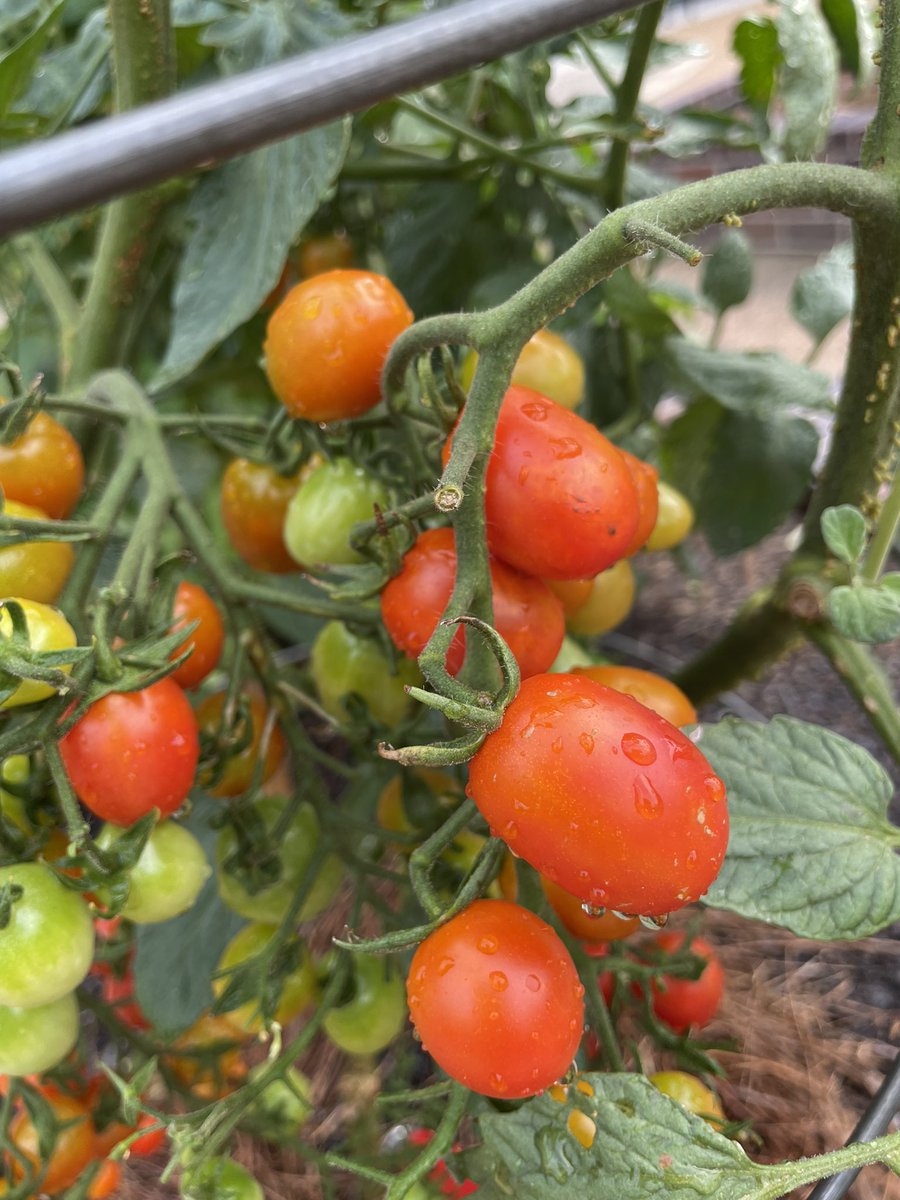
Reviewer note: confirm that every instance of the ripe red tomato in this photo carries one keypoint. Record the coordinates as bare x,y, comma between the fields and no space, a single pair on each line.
106,1182
602,796
682,1003
142,1147
43,467
327,341
560,501
194,603
653,691
496,1000
646,480
241,766
526,613
254,500
132,752
325,253
118,992
570,910
72,1150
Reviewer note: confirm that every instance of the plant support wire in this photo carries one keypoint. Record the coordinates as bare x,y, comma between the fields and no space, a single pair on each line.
208,124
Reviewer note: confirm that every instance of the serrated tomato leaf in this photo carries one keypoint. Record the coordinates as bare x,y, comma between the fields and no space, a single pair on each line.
823,295
808,78
844,531
810,846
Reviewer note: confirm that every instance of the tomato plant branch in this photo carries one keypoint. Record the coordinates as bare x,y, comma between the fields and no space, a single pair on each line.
627,94
56,290
866,681
143,51
785,1177
884,535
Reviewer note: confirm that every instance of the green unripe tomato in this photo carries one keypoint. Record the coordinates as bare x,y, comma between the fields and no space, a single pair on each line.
47,945
35,1039
674,521
284,1105
376,1012
343,663
221,1179
15,770
167,878
296,844
324,509
691,1094
298,988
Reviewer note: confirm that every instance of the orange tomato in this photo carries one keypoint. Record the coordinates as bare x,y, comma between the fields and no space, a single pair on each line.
653,691
194,603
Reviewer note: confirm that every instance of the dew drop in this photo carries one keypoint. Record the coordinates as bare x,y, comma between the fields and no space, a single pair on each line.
584,875
519,804
510,831
311,309
498,1083
599,896
445,965
677,750
535,1036
565,447
579,992
715,788
691,859
534,1073
414,999
499,982
487,944
701,816
534,411
524,472
647,800
584,702
638,749
556,745
604,467
573,1025
494,1016
586,742
551,873
532,983
592,910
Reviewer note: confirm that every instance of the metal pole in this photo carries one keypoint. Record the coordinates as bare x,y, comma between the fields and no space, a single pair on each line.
221,120
875,1120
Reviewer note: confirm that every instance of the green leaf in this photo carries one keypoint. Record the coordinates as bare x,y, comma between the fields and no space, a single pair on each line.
867,612
753,382
844,531
728,271
632,303
17,65
175,960
73,81
756,45
823,295
808,78
643,1144
810,847
245,216
850,22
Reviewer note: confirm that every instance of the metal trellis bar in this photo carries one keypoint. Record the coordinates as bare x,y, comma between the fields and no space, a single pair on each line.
221,120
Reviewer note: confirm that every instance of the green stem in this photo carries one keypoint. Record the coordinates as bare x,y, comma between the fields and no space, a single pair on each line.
56,291
866,681
785,1177
627,95
143,52
438,1147
596,1006
885,532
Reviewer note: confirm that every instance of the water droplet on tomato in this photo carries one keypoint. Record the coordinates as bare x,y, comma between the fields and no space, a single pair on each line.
593,910
446,964
565,447
691,859
499,982
677,750
647,800
524,472
715,788
599,896
535,1036
586,742
534,410
603,467
584,702
638,749
493,1016
556,745
510,831
311,308
551,873
414,999
579,992
498,1083
487,944
532,983
701,816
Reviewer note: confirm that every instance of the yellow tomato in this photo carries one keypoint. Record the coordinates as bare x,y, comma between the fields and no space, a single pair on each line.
547,364
674,521
35,570
48,629
653,691
608,604
297,988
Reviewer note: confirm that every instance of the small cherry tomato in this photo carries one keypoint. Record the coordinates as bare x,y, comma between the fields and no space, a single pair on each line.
298,988
580,923
254,500
323,510
343,664
194,603
168,875
148,1143
296,844
560,501
573,593
646,482
329,252
47,945
132,752
240,767
610,602
411,802
221,1179
682,1003
527,615
106,1182
118,992
691,1094
602,796
73,1147
496,1000
651,690
33,1040
674,521
327,341
48,629
36,570
43,467
375,1013
547,364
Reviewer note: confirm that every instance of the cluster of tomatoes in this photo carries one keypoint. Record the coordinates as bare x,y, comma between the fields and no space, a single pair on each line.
599,791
